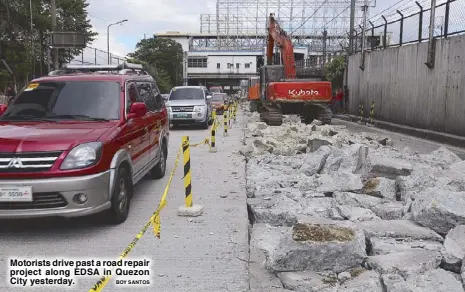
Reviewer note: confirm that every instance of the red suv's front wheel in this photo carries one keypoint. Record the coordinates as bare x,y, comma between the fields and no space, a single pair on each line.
121,197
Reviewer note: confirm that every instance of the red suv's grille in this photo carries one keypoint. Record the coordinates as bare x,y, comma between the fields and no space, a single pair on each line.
27,162
39,201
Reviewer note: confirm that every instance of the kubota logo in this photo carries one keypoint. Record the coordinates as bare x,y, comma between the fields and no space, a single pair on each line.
303,92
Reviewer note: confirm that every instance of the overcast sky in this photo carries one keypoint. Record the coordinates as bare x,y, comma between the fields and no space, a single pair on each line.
152,16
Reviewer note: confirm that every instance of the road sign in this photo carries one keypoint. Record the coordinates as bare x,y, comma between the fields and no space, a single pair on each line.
68,40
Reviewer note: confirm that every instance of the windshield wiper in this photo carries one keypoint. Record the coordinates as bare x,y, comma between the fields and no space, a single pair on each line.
25,118
78,117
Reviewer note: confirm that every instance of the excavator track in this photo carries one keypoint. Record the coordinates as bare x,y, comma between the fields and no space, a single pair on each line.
317,112
272,116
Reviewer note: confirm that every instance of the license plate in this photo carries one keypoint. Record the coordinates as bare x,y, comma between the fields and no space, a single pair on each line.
182,116
15,194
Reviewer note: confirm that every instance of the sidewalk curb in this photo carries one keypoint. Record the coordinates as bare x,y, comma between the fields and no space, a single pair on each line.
450,139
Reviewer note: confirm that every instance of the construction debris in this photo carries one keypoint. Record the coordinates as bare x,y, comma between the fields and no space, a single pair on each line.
334,211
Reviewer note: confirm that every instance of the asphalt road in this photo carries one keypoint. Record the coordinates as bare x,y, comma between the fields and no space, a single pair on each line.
400,140
206,253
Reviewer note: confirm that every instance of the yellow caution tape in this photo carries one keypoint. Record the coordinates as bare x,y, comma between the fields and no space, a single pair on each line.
154,219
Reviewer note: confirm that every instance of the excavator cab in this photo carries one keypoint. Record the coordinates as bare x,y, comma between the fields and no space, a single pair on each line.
268,74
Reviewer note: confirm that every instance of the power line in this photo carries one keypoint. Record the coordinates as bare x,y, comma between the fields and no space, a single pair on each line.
309,17
334,18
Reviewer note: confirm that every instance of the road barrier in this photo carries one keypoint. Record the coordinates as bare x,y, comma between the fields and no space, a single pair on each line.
213,133
189,209
225,121
360,108
372,113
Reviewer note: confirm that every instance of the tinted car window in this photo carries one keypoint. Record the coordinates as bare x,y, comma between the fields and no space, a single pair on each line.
217,97
157,96
186,93
146,95
67,100
215,89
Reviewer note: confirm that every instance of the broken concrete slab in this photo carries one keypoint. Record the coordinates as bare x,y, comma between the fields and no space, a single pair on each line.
405,263
318,207
383,245
261,280
439,210
388,167
315,143
454,249
356,214
398,229
312,247
389,211
441,156
338,182
334,161
366,281
306,281
380,187
436,280
394,283
313,163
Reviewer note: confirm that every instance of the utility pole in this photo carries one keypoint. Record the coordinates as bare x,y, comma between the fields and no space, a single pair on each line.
352,27
33,55
53,11
431,40
184,71
325,40
364,29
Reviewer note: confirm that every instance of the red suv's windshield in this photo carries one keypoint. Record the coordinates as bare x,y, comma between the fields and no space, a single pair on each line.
94,100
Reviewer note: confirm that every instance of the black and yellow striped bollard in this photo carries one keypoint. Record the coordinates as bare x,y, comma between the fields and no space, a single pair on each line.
372,113
235,111
213,133
230,115
360,109
225,121
188,209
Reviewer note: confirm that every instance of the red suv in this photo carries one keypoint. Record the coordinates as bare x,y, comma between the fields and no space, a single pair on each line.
75,142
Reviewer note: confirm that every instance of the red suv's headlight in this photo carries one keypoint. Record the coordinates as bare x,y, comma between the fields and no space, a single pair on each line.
83,156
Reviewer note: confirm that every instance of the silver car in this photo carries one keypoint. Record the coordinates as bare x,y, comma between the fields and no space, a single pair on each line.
190,105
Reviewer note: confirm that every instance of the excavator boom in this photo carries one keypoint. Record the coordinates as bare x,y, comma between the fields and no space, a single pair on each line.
284,42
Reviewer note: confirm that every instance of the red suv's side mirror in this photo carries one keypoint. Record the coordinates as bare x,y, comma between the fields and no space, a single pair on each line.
137,110
3,108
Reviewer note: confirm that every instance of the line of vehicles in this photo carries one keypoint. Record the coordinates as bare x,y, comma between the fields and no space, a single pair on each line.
75,143
277,90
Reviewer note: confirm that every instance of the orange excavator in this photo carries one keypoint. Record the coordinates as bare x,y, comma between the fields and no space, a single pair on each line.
280,90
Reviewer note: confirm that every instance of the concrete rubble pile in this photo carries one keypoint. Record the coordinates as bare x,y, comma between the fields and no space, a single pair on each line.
333,211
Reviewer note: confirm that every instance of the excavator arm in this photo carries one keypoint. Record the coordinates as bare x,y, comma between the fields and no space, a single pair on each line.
277,35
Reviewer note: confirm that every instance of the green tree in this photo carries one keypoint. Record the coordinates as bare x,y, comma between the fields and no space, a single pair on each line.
334,71
163,54
162,78
25,48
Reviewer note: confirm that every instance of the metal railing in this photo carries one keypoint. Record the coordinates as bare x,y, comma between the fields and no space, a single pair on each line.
414,27
94,56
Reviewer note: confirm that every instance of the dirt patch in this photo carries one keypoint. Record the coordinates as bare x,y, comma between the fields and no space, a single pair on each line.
311,232
371,185
356,272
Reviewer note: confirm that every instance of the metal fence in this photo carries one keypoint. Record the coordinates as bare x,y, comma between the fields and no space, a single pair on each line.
94,56
414,27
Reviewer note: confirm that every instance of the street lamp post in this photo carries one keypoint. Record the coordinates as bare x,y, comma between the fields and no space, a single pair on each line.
108,38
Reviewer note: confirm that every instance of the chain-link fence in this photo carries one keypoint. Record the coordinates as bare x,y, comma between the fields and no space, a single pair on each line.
412,25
